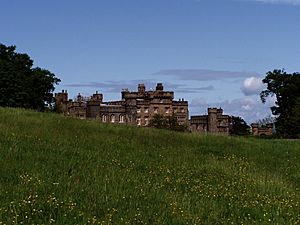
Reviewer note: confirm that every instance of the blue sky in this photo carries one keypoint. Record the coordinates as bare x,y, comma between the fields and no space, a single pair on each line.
210,52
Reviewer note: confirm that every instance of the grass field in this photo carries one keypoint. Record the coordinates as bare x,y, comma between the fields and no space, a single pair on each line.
68,171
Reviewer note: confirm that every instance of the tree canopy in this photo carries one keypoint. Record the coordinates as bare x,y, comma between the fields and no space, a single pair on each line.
239,126
168,122
21,85
286,88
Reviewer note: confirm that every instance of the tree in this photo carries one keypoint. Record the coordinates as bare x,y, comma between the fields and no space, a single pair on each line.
169,123
21,85
238,126
295,119
286,88
158,121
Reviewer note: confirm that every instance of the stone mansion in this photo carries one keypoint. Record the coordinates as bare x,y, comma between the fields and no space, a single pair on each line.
139,107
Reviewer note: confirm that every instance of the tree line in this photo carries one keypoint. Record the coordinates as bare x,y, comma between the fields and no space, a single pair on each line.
25,86
285,87
21,84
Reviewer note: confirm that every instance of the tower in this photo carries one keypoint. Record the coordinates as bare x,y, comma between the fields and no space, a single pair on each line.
212,120
61,100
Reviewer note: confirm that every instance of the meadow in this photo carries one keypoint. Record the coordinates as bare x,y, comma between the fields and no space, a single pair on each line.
58,170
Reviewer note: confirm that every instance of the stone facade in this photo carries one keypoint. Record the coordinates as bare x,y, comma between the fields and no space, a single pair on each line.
213,122
135,107
266,130
139,107
69,107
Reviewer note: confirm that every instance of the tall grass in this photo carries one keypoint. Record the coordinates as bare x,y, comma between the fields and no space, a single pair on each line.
68,171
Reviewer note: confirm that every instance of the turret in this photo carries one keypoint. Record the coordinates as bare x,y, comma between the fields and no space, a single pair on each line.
97,97
212,120
141,88
159,87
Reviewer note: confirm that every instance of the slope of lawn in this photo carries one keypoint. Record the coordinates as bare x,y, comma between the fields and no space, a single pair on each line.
62,170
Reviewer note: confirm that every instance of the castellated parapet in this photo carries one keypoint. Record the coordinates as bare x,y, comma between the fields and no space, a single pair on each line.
135,107
262,130
213,122
139,107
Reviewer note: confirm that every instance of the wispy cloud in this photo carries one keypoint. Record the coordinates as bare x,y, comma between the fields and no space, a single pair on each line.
186,89
118,86
203,75
290,2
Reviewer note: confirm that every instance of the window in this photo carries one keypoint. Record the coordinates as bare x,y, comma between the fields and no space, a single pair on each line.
146,110
121,119
155,110
139,121
103,118
112,118
146,121
167,110
182,110
138,110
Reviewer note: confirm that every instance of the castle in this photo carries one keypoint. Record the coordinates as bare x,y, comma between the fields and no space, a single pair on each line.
213,122
139,107
135,107
265,130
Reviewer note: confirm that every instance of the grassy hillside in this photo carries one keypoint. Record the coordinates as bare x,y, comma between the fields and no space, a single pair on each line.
67,171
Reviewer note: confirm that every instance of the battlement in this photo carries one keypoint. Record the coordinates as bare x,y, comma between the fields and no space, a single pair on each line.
262,130
214,122
143,94
135,107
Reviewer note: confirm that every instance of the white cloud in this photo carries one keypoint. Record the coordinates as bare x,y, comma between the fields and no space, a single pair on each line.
290,2
252,86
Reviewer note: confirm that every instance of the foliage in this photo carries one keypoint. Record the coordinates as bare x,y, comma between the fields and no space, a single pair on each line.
286,88
295,118
167,122
21,85
53,172
238,126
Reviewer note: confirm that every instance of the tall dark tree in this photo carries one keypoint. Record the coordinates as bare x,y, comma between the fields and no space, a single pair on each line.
295,119
21,85
286,88
238,126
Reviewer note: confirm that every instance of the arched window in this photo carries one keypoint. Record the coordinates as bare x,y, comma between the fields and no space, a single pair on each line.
146,121
121,119
112,118
104,118
139,121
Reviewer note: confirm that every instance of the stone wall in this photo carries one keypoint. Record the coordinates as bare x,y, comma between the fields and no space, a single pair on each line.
213,122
